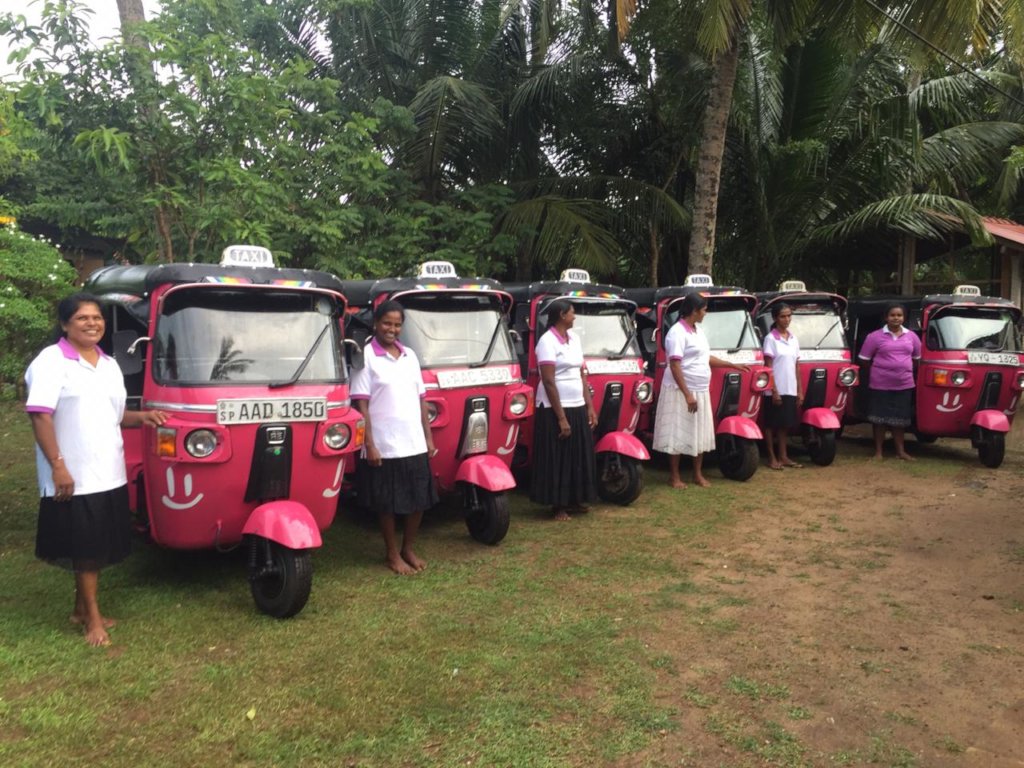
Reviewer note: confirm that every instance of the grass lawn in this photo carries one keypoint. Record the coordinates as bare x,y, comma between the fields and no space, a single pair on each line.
522,654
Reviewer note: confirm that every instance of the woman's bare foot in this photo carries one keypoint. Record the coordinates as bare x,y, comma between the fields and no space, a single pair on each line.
560,514
399,566
876,457
410,557
905,456
78,620
702,482
676,483
96,635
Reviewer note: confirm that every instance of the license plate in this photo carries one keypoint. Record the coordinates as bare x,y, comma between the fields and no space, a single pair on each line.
256,410
809,355
993,358
473,377
613,366
740,357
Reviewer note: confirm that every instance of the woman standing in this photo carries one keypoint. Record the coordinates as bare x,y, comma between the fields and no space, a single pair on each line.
396,479
893,352
564,469
782,353
76,400
684,423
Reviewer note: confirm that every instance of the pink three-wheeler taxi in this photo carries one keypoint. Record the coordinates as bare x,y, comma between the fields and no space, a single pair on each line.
476,399
615,372
971,372
736,396
247,361
826,369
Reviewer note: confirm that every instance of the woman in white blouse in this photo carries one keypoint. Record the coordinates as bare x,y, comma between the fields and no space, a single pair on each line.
781,406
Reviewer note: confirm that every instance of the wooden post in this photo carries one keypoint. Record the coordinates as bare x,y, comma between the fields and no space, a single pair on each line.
906,263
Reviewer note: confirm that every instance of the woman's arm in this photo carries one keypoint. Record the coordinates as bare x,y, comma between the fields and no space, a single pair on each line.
770,362
372,454
717,362
427,431
547,378
46,437
143,418
588,400
675,365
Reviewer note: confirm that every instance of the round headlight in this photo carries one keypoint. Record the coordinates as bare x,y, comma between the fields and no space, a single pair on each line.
517,405
337,436
958,378
847,376
431,412
644,392
1020,380
201,443
761,382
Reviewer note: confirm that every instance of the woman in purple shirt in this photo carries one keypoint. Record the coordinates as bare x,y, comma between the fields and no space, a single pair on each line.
893,352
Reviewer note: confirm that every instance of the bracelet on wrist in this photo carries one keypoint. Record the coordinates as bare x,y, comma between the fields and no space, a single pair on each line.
55,459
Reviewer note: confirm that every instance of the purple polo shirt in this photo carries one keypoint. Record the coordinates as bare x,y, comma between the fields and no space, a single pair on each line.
891,357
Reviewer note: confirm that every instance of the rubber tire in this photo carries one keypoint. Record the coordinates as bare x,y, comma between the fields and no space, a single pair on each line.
925,439
623,488
284,597
489,523
822,446
742,464
992,449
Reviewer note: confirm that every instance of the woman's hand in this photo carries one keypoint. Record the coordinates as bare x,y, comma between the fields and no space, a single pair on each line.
591,416
691,402
800,398
373,456
740,367
564,430
776,398
153,418
431,448
63,483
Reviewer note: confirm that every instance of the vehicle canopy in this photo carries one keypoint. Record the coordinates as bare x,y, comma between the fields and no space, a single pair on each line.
819,317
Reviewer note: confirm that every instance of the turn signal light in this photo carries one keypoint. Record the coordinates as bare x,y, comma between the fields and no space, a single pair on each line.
166,442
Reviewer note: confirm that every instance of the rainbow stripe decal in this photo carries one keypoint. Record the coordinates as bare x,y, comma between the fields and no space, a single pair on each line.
228,280
293,283
597,295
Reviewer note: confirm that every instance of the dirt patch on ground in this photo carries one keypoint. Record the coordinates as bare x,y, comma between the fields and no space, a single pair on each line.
864,613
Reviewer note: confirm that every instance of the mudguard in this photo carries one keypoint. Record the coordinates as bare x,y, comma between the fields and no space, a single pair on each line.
820,418
487,472
288,523
624,443
991,419
740,427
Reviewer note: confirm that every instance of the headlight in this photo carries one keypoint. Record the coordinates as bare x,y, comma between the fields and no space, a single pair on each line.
762,380
958,378
517,404
431,412
847,376
644,391
337,436
201,443
1020,381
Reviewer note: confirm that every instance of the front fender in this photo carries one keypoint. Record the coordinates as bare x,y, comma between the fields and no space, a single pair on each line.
487,472
624,443
288,523
990,419
820,418
740,427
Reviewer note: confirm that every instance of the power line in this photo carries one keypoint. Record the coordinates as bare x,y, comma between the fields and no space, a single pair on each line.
943,54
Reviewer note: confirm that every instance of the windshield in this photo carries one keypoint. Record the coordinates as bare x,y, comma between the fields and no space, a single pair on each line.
456,329
212,336
992,330
727,326
605,328
818,327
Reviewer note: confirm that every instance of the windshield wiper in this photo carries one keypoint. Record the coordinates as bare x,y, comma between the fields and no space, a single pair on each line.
490,347
622,352
739,341
304,363
828,332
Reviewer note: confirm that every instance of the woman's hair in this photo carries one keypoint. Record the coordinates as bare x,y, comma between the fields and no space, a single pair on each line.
555,310
691,303
68,306
890,307
388,306
777,310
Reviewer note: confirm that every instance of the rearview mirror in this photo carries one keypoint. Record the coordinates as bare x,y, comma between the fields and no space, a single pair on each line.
126,353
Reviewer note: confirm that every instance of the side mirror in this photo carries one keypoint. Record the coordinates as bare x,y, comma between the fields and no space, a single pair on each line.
126,345
517,342
353,353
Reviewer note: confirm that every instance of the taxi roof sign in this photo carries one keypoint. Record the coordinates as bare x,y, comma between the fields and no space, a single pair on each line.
967,290
437,269
699,281
574,276
246,256
793,286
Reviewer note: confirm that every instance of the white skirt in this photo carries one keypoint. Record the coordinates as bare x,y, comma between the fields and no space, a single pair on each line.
678,431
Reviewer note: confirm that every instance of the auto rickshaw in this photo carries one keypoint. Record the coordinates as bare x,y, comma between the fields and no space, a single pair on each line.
246,359
730,331
971,372
615,371
826,370
476,398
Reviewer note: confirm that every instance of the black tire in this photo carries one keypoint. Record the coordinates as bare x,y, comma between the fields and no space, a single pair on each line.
925,439
489,523
992,448
740,462
620,479
821,445
280,578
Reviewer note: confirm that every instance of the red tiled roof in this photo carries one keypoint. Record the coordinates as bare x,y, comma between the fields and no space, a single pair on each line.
1004,229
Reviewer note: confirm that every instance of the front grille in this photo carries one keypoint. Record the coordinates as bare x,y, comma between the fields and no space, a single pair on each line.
817,386
270,476
608,421
729,402
990,389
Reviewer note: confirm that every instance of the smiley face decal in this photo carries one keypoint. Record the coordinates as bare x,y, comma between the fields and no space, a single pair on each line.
188,501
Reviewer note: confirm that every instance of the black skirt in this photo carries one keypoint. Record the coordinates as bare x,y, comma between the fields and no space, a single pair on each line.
563,472
398,486
891,407
781,416
87,533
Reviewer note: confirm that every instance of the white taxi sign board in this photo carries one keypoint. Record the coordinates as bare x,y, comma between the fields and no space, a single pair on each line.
575,276
967,290
699,281
246,256
793,286
437,269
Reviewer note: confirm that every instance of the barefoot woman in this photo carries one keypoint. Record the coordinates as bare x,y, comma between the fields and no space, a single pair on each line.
395,479
76,400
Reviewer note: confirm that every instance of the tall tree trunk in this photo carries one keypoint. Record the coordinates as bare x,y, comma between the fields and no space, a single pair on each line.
709,161
652,232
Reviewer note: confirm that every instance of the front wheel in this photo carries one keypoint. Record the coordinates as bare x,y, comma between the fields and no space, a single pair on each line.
280,578
821,445
620,479
992,448
488,521
738,461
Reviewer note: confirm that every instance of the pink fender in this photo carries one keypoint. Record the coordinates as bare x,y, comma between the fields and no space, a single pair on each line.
624,443
994,420
821,418
487,472
739,426
288,523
